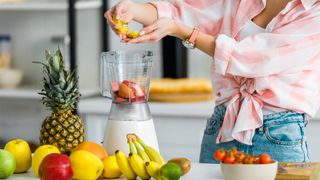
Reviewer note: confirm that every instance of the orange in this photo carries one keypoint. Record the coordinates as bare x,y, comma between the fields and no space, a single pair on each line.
92,147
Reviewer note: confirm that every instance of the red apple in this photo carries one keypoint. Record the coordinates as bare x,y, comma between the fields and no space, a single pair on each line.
55,166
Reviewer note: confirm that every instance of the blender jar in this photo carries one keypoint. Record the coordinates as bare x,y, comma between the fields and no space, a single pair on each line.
125,76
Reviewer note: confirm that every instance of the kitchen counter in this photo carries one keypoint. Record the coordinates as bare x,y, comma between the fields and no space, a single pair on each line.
198,171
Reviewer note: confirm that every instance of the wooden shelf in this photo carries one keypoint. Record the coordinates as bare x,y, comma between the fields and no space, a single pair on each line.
53,5
28,92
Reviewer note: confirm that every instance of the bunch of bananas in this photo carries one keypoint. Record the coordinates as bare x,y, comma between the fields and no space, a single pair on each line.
143,160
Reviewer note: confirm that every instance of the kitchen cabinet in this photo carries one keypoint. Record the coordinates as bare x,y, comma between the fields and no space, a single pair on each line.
37,25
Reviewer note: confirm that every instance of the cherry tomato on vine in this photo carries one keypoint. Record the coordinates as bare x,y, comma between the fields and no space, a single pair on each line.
219,154
229,158
265,159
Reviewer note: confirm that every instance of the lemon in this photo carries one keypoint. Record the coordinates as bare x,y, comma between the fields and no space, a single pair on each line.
111,169
85,165
170,171
20,149
39,154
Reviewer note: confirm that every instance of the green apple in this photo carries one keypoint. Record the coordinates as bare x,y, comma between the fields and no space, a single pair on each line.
8,164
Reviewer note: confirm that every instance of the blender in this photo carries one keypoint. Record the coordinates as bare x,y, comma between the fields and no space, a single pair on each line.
125,79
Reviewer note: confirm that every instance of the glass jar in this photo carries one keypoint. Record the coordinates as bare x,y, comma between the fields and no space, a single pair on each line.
5,51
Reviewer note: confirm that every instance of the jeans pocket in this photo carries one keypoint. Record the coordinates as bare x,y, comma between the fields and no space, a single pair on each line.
285,134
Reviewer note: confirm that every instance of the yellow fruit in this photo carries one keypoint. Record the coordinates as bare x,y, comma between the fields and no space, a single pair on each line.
111,169
133,34
122,26
39,154
20,149
85,165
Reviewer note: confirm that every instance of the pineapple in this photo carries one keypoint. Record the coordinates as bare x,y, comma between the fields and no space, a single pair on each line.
62,129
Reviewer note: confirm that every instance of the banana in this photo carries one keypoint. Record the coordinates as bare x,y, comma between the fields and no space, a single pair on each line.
141,152
124,165
137,165
153,169
131,147
153,154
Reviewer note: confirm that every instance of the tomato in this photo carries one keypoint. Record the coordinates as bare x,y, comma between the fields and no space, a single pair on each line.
265,159
239,156
256,160
234,150
229,158
219,154
248,160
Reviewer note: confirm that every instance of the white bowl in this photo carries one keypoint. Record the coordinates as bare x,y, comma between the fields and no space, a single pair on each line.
10,78
249,171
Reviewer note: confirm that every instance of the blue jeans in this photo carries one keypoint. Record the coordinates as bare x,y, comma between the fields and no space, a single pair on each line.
282,136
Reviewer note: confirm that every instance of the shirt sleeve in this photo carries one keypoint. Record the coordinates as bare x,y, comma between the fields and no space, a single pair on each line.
208,15
291,48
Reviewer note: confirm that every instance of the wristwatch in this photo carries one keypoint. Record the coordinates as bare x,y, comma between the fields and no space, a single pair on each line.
190,42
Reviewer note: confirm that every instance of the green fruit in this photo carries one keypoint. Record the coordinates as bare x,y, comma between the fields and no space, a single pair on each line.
7,164
170,171
184,163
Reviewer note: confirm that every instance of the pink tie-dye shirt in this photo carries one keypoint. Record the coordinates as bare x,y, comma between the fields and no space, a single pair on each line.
277,69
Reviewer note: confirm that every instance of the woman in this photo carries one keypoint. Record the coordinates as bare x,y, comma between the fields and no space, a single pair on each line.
265,67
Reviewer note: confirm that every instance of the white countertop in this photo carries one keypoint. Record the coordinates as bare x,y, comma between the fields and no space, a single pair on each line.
197,172
100,105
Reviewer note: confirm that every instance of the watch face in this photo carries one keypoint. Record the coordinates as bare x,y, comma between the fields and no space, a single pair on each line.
187,44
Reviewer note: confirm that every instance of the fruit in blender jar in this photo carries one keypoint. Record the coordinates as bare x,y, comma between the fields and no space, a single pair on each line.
184,164
55,166
60,92
128,91
85,165
39,154
7,164
125,91
20,149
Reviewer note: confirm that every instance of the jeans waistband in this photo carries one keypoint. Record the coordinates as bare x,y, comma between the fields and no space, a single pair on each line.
273,119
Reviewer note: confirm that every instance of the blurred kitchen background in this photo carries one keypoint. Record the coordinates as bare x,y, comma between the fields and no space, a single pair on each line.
28,27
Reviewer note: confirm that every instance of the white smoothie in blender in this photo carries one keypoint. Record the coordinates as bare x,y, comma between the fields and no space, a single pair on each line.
125,78
119,129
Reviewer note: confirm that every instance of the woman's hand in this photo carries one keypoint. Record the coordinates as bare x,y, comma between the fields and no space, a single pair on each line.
123,11
156,31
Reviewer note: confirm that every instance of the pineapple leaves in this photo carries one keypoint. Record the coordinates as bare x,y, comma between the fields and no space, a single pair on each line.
60,92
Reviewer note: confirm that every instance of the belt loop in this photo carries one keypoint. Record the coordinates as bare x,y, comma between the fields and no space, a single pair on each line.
306,120
260,130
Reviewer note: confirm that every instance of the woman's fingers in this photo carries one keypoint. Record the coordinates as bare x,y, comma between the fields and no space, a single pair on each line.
149,29
154,36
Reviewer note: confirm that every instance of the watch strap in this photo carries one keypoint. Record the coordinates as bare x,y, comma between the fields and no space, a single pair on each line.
194,34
